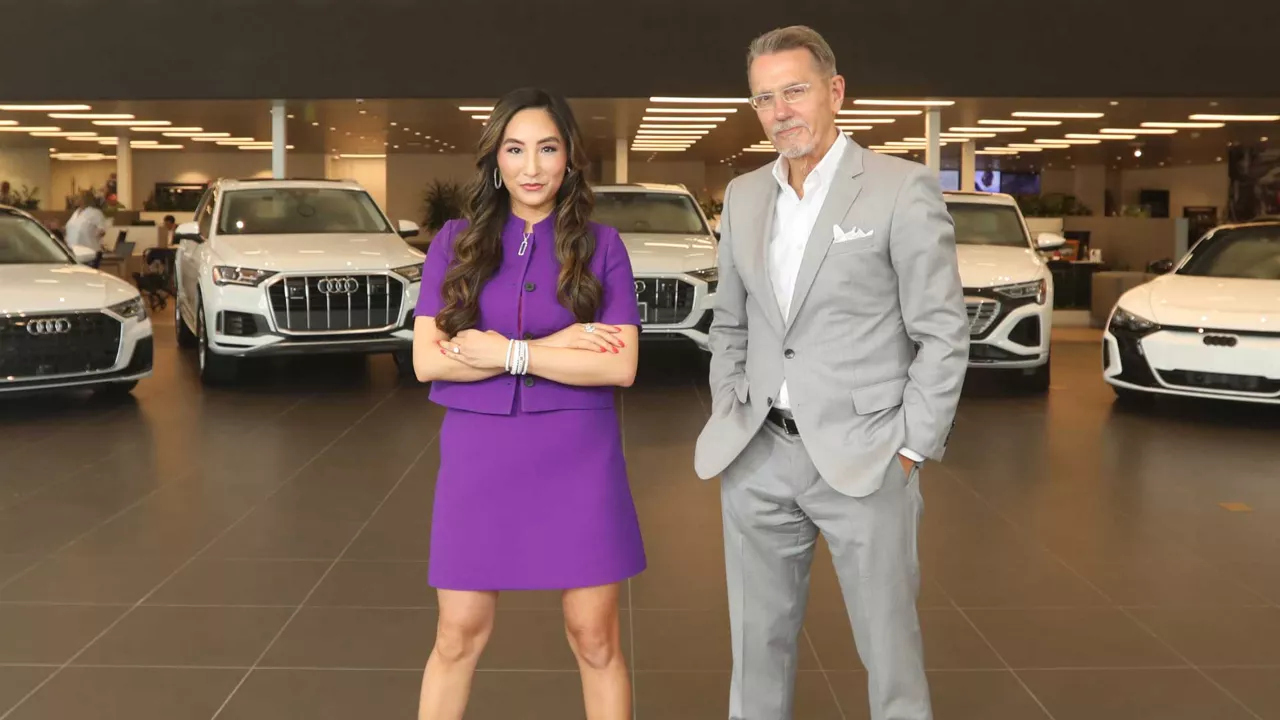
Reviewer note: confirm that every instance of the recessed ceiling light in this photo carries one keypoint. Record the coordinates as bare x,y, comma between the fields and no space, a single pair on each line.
1137,153
1060,115
1207,117
1217,159
1264,139
1099,136
1204,125
1115,103
695,101
912,103
291,117
886,111
1037,123
45,108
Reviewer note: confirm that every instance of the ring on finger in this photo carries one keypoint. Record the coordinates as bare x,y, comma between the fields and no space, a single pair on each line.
456,349
589,327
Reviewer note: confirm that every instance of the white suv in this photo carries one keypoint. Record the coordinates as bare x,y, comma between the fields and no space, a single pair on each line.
291,267
63,325
1008,288
673,257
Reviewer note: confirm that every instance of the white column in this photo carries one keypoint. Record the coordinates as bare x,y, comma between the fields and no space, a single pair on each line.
621,152
124,170
279,139
969,166
932,133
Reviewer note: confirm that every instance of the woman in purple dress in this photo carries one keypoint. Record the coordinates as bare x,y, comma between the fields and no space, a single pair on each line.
527,322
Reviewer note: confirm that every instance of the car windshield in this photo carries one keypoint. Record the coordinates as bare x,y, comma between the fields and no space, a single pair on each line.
986,224
25,242
649,212
1246,252
291,211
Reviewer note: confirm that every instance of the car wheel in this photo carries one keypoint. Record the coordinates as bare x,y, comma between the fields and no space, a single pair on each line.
186,338
404,364
1038,380
214,369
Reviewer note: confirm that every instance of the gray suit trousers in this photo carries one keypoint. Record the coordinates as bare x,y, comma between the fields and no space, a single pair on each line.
774,504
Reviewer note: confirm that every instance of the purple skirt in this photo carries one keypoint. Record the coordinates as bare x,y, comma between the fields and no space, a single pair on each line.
533,501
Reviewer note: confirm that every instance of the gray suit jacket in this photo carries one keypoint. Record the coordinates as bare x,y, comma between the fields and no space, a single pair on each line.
877,345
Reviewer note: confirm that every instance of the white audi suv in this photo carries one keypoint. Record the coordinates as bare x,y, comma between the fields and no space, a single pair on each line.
1209,328
1008,288
294,267
64,325
673,257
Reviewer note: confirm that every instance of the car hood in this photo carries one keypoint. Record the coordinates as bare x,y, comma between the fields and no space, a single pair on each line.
1216,303
310,253
55,288
654,253
983,266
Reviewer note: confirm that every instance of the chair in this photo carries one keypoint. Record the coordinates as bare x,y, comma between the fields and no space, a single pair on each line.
158,282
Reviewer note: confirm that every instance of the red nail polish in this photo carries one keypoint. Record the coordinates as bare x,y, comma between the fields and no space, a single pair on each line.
615,351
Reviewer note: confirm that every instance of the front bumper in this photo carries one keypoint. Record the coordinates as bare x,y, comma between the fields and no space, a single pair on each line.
134,361
694,327
1235,366
1008,334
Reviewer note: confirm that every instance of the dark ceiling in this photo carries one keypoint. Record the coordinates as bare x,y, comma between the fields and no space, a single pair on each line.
153,49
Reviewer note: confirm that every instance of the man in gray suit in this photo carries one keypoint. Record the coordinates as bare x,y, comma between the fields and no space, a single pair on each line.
839,348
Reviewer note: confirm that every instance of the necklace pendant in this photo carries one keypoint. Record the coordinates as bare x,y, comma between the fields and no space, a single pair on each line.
524,245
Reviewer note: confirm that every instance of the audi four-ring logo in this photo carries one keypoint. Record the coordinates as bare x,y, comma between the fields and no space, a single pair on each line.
640,286
338,285
49,326
1221,340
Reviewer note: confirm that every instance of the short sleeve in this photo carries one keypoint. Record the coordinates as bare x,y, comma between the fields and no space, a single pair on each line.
619,284
439,252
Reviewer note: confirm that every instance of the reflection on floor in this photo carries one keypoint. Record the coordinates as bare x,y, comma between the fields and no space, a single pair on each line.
259,553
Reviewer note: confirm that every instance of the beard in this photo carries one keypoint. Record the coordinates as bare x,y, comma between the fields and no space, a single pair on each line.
793,149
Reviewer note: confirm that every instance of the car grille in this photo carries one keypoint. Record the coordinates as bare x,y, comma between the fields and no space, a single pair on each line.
335,303
664,301
981,314
1221,382
89,344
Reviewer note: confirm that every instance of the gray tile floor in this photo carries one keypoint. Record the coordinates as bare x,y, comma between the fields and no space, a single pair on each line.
261,553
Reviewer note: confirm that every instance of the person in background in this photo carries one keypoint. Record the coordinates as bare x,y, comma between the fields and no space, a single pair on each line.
167,231
526,323
6,194
87,226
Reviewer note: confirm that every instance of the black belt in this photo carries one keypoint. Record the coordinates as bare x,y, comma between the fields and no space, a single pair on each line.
787,423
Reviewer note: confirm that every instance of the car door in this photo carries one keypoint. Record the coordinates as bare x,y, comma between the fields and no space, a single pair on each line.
190,255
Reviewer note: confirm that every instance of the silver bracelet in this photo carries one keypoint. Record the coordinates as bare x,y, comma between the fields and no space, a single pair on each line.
524,357
511,344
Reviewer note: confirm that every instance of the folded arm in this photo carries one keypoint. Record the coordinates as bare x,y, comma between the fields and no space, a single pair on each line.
430,364
923,253
588,368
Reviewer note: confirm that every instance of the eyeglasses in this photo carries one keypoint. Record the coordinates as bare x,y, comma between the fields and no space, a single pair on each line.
790,95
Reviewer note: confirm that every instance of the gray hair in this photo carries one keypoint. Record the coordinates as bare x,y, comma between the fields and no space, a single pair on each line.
795,37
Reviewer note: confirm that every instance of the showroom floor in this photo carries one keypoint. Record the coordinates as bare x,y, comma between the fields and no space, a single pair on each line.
260,553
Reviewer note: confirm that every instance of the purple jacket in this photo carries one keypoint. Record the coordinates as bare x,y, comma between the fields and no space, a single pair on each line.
519,301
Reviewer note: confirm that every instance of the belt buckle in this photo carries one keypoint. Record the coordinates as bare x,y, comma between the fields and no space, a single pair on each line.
787,424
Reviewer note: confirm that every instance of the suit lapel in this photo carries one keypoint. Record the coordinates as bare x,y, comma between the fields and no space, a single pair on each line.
762,222
845,188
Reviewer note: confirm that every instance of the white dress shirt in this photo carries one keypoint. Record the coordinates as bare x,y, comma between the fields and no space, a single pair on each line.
793,220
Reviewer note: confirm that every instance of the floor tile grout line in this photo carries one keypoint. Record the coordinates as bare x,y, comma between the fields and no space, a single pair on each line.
1127,613
137,503
570,671
631,615
830,685
199,552
999,655
314,588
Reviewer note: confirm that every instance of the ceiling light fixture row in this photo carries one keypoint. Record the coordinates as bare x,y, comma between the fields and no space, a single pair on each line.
676,129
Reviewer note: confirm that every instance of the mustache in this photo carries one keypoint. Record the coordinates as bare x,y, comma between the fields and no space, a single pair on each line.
788,125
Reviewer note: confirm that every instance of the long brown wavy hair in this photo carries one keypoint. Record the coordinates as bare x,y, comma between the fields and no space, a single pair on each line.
477,251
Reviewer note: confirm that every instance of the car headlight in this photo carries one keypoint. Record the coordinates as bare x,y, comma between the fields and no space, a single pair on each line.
227,275
1124,321
1037,289
130,309
412,273
710,276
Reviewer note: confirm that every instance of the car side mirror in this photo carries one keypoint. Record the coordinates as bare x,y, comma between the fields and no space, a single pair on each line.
1050,241
188,231
83,255
1161,267
409,229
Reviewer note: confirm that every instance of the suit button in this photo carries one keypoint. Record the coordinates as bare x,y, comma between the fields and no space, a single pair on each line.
769,401
789,354
530,287
528,336
528,382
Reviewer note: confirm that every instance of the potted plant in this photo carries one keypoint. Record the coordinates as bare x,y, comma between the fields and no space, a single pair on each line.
442,201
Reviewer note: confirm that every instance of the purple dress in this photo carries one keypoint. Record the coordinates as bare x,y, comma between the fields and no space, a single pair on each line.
532,491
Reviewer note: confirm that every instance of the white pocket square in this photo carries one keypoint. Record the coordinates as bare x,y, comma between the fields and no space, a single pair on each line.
854,234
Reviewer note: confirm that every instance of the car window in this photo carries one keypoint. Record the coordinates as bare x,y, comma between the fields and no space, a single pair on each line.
25,242
288,211
1246,252
986,224
204,215
641,212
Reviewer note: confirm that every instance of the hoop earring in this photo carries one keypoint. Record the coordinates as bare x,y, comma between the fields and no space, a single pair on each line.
497,179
